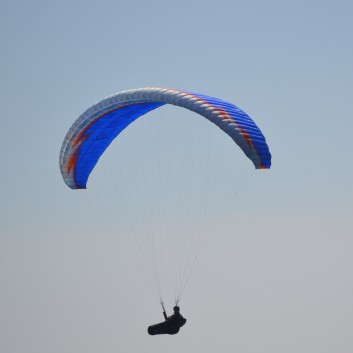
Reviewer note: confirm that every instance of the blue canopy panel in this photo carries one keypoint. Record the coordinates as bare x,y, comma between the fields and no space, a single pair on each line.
99,134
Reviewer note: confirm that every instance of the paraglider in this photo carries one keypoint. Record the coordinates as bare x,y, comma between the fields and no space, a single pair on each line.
170,326
92,133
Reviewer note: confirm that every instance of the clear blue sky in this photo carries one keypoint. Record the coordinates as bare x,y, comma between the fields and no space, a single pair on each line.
280,277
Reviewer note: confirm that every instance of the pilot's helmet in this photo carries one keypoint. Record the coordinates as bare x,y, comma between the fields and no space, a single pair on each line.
176,309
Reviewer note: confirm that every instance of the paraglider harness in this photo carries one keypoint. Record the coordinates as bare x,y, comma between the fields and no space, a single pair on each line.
171,325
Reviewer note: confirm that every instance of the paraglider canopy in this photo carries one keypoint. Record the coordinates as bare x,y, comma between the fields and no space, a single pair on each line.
98,126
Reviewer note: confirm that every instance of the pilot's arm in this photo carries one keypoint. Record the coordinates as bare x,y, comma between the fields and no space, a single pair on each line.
165,315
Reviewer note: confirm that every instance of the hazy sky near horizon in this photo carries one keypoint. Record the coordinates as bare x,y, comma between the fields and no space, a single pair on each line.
277,277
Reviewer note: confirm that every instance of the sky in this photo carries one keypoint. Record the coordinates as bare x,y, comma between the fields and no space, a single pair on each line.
276,275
